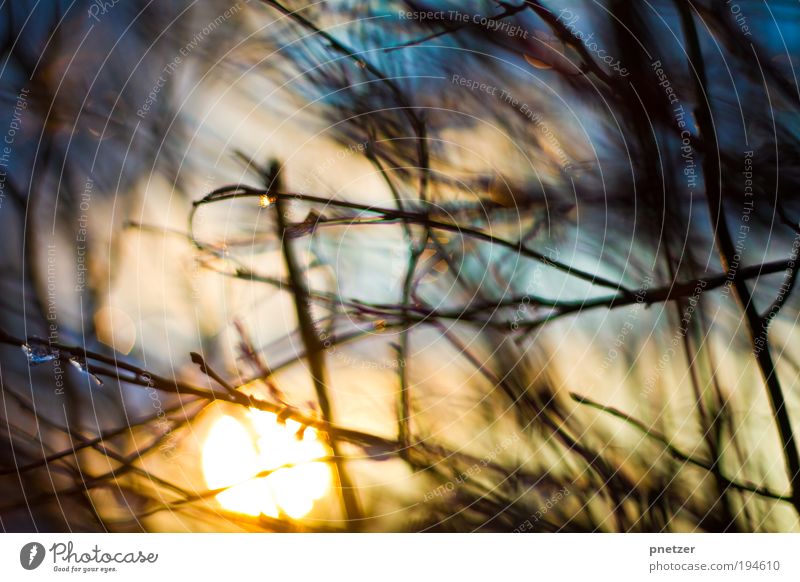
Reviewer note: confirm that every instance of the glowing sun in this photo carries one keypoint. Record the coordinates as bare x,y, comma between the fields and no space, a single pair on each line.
235,451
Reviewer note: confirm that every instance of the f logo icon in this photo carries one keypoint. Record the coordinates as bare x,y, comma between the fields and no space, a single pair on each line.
31,555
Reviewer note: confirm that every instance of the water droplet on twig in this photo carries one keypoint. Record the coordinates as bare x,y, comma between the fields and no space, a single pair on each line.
80,364
38,351
265,200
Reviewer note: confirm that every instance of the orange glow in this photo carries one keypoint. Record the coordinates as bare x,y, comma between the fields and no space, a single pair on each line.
235,451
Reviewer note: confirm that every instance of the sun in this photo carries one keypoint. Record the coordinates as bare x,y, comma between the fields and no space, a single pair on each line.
236,450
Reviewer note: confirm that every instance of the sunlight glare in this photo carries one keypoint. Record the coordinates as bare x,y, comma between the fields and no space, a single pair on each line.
235,451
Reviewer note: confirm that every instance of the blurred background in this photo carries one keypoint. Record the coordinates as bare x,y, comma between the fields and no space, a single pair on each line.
399,266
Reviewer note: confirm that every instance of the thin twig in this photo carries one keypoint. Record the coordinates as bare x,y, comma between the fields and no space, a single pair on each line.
315,355
755,324
677,453
241,191
417,123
